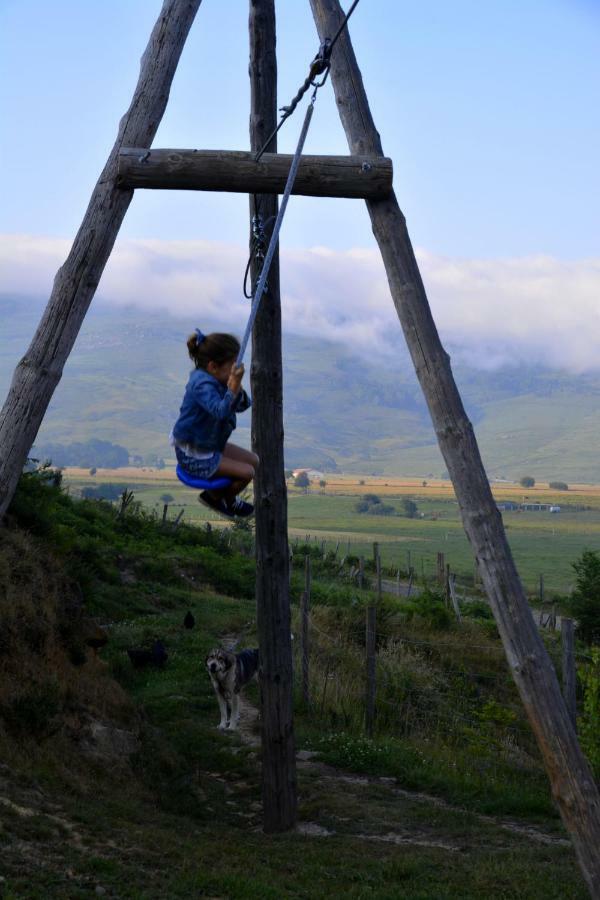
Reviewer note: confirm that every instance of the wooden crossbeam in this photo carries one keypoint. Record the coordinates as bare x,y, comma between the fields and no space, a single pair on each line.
358,177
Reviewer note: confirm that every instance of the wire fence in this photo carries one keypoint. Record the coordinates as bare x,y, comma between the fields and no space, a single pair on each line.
412,683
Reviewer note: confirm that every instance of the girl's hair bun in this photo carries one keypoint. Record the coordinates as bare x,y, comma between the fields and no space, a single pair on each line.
216,347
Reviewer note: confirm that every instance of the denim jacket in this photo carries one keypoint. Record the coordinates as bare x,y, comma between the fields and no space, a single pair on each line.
207,414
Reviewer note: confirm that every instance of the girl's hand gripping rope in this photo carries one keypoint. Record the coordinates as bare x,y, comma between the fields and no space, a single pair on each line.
234,382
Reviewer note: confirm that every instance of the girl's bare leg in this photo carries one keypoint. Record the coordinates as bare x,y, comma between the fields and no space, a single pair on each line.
239,465
232,451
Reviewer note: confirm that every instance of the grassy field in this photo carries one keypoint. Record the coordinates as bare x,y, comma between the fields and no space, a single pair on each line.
542,543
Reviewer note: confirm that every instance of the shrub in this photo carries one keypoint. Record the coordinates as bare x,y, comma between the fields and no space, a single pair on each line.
102,492
371,504
589,723
430,608
559,485
409,507
527,481
585,599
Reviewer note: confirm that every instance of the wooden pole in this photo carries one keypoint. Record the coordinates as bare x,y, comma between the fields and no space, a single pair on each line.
361,572
572,782
569,672
40,370
305,636
237,171
272,559
371,626
455,603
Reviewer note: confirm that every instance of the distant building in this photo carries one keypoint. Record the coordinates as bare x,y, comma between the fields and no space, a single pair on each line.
555,509
313,474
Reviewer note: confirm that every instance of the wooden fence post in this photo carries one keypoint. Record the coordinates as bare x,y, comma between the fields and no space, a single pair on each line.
569,672
370,655
371,641
452,589
441,569
361,572
305,637
165,511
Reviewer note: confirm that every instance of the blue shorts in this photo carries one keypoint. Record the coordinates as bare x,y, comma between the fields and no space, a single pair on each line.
199,468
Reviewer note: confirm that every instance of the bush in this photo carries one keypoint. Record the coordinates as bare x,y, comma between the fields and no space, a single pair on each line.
585,599
409,507
589,723
527,481
371,505
429,606
102,492
559,485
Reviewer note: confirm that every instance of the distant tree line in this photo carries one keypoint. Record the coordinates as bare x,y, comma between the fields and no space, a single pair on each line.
88,454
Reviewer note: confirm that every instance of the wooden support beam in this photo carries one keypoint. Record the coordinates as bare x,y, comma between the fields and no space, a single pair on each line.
573,785
273,615
358,177
40,370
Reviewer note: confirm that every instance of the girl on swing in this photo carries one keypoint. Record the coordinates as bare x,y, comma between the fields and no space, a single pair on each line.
207,417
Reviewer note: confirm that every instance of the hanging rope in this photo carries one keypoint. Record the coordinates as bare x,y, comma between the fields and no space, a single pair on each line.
262,281
320,65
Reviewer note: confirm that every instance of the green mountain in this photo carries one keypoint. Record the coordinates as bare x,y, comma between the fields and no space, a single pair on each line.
124,381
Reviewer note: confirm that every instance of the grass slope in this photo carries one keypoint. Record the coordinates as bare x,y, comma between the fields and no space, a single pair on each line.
179,814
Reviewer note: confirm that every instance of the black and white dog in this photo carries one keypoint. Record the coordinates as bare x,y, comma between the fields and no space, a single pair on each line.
229,672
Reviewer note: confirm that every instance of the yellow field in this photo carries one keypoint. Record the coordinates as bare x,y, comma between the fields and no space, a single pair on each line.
384,485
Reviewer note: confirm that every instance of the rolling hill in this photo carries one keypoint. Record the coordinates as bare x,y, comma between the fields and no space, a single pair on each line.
125,377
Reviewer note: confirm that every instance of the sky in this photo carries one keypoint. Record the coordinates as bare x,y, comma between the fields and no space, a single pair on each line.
488,110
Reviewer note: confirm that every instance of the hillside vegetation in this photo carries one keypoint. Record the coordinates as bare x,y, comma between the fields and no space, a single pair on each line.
115,780
124,382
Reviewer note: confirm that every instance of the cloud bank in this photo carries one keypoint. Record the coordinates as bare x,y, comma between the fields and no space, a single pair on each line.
491,313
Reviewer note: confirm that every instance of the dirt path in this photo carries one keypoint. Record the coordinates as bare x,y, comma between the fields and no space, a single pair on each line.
376,809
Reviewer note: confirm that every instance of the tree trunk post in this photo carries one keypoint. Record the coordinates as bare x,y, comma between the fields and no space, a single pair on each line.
573,785
40,370
272,559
